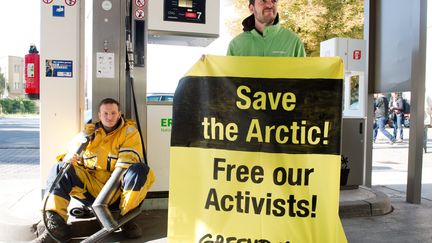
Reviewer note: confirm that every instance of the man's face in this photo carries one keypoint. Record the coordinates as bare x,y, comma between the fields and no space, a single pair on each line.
265,11
109,115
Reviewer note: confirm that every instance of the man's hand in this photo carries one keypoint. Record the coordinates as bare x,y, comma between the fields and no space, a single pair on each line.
89,129
76,160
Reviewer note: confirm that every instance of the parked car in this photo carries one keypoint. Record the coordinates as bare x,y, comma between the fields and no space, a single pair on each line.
160,97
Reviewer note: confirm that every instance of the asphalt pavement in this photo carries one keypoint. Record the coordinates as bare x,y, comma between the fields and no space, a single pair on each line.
20,193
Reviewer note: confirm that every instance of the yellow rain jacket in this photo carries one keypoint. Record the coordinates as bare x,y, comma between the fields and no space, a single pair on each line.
119,148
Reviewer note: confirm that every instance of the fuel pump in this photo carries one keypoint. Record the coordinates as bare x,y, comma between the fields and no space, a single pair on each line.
123,55
353,54
100,206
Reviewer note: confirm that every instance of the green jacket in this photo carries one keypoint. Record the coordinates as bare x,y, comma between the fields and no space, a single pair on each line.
275,41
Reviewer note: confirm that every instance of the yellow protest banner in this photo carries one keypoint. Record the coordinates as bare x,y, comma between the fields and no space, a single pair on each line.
255,150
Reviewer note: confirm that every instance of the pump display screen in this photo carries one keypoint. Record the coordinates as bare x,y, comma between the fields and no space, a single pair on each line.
191,11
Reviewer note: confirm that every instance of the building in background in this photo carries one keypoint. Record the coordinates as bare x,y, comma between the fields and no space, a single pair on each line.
12,68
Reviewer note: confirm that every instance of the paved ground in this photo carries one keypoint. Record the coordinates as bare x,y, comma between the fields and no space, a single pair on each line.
408,223
19,147
19,170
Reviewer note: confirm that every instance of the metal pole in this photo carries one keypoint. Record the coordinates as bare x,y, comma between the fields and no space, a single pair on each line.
418,74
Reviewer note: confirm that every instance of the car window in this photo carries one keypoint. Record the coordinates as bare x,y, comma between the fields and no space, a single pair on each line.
167,98
153,98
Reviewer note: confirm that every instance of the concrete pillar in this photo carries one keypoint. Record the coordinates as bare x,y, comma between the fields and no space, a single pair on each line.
60,89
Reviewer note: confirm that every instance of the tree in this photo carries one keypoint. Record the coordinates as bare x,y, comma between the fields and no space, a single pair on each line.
313,20
18,105
29,106
2,83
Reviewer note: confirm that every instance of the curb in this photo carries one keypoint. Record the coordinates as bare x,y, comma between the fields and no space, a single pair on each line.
10,232
373,203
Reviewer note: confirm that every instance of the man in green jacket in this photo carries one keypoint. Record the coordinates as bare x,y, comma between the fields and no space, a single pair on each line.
263,36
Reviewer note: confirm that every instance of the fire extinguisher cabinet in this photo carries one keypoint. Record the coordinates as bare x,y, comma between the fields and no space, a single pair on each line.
31,73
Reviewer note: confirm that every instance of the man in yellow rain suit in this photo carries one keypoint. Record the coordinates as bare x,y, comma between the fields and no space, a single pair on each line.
115,143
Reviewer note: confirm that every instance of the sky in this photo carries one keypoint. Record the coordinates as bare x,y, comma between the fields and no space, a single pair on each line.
19,25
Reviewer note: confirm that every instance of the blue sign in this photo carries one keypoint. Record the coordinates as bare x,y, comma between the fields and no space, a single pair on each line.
59,68
58,11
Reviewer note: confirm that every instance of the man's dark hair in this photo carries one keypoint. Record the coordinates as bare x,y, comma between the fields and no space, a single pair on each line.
253,2
109,101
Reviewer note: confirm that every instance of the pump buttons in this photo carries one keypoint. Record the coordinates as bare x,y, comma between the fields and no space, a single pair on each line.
107,5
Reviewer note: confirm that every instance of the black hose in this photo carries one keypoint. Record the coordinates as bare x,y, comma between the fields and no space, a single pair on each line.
60,175
138,122
66,166
129,70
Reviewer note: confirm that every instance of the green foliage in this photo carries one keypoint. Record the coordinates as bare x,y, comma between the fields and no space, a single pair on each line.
313,20
2,82
29,106
19,105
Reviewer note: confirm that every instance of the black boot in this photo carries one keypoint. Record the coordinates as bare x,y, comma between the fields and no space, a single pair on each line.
57,226
131,229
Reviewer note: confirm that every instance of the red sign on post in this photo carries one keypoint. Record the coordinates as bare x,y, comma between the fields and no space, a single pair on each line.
140,3
357,54
70,2
47,1
139,14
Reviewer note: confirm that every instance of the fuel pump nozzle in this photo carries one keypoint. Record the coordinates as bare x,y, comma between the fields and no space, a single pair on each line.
130,55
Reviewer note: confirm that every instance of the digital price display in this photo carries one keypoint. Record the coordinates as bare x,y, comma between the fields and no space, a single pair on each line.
190,11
